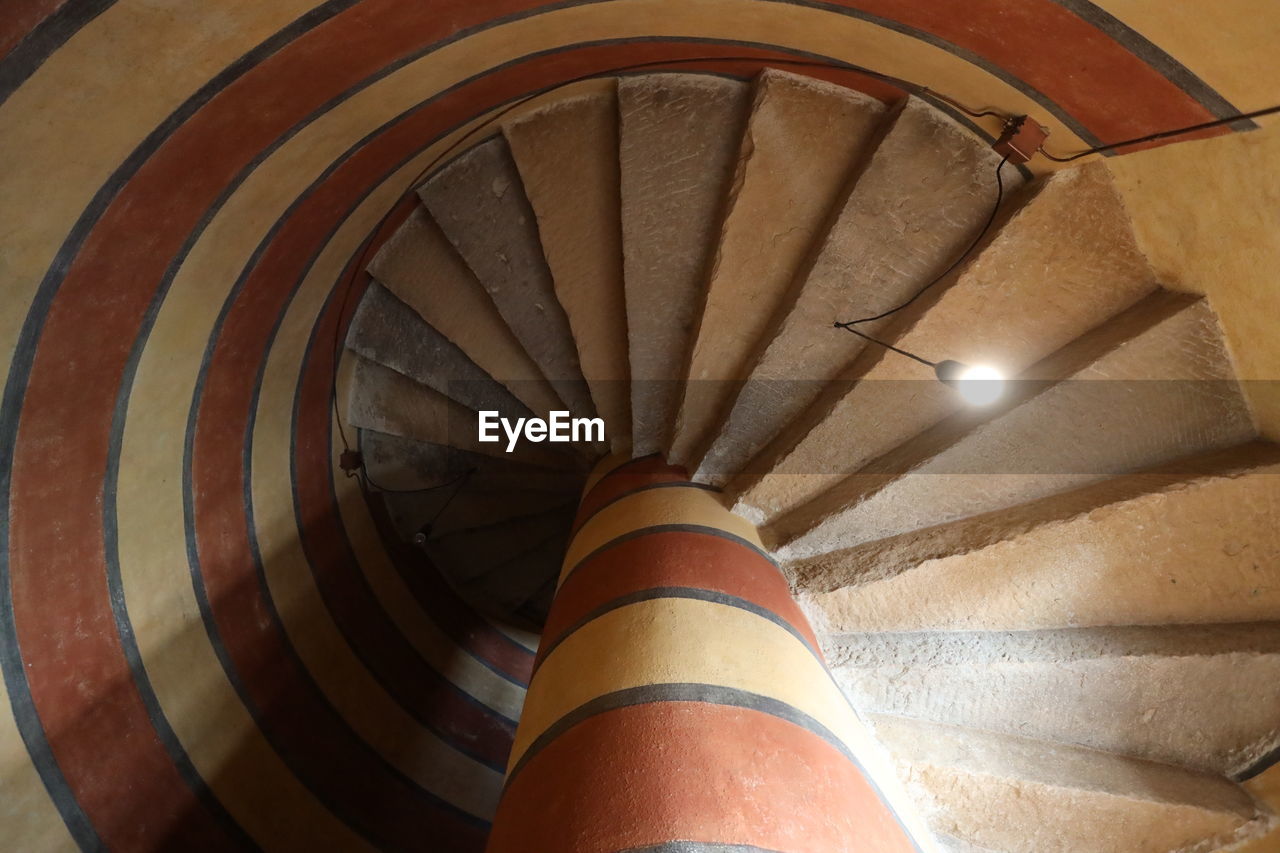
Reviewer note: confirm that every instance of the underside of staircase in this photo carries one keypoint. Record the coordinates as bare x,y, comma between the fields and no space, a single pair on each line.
1060,613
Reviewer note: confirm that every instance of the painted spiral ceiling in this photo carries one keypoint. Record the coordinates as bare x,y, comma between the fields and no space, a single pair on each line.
209,642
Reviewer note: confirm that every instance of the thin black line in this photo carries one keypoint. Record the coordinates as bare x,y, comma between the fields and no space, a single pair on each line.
710,694
648,487
1156,58
1266,762
702,529
661,592
44,40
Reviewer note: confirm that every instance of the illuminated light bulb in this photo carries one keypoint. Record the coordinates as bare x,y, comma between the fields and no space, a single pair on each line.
979,385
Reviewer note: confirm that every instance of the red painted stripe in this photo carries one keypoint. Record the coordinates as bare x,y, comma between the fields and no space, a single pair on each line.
20,18
1091,76
123,257
667,771
221,430
673,558
626,478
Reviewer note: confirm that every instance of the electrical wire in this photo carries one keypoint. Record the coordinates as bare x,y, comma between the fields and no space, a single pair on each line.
986,227
1164,134
369,481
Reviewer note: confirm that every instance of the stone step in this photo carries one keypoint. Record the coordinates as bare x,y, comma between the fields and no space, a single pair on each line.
1063,264
803,142
1155,383
883,245
449,513
469,554
678,146
384,400
1197,541
519,590
1153,692
389,332
480,205
420,267
567,156
1021,795
401,463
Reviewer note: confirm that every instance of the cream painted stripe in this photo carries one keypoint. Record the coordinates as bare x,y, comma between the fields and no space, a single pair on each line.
604,468
681,640
186,42
355,693
434,646
651,508
1233,50
91,103
221,738
28,818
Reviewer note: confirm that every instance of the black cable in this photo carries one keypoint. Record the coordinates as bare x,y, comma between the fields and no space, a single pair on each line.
991,218
368,480
887,346
1164,134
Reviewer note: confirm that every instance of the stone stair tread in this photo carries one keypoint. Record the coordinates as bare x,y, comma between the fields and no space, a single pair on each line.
1163,387
1064,263
678,143
1024,795
424,271
803,141
1210,552
1152,692
479,202
386,330
567,156
396,462
468,509
881,246
384,400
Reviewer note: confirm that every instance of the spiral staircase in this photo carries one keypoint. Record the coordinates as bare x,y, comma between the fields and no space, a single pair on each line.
1053,611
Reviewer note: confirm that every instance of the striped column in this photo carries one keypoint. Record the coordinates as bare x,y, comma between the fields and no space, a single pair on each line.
679,700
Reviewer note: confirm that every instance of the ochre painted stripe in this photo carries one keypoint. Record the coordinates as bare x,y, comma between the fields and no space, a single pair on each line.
690,506
680,640
652,470
789,790
672,559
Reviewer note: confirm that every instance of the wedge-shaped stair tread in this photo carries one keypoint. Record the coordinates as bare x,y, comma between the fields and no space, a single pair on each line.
424,271
387,401
395,462
923,197
479,203
1154,692
388,331
800,148
678,145
470,554
518,589
567,155
1062,265
1022,795
1197,541
1150,385
448,513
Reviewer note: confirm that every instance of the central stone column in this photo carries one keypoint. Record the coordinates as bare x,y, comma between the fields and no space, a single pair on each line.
679,700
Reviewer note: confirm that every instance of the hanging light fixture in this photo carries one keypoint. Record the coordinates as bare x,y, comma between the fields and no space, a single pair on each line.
979,385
